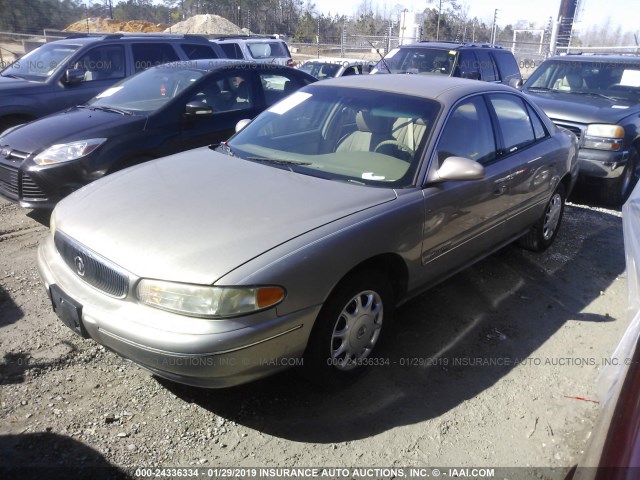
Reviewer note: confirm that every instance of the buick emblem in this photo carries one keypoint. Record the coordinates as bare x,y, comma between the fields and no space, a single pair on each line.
5,152
80,268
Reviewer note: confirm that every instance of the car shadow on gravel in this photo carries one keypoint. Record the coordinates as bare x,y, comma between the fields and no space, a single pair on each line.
9,311
51,456
447,345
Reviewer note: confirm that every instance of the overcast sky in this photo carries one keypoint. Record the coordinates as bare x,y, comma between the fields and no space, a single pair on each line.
623,12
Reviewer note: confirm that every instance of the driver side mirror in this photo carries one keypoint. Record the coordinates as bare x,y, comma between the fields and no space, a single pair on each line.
73,76
516,83
196,108
457,168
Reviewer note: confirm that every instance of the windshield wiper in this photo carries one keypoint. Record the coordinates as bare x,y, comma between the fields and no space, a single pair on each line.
109,109
277,161
541,89
594,94
10,75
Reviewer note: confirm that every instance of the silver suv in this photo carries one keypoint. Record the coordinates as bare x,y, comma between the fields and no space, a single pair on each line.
256,48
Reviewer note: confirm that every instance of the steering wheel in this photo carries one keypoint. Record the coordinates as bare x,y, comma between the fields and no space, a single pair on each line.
400,146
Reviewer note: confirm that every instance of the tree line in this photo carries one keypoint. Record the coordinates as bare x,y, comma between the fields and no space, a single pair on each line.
299,20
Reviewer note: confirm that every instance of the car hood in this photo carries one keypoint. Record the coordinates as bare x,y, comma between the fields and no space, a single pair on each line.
10,85
195,216
582,108
73,124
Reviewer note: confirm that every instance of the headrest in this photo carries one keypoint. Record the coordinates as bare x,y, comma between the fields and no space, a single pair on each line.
366,122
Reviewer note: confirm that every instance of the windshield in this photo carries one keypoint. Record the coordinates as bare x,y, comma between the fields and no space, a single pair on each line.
40,63
149,90
417,60
345,134
619,80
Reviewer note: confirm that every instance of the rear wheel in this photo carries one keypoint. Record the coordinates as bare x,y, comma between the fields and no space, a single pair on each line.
349,328
544,231
615,191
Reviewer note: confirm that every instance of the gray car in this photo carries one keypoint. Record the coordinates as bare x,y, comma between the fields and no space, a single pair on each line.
294,241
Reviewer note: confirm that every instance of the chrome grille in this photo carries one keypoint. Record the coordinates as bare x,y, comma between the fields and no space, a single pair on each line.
14,155
30,190
9,181
573,128
91,267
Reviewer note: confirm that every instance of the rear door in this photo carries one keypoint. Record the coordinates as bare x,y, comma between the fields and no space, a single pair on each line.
527,147
465,219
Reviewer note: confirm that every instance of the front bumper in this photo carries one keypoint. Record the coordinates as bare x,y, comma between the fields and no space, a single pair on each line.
601,163
198,352
32,186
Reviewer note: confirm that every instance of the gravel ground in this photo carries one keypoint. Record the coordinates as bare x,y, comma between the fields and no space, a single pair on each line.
496,367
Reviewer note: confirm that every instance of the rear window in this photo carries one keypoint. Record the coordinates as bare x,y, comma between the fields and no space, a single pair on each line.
267,49
232,50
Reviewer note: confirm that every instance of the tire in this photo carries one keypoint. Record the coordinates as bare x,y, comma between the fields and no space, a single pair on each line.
348,329
544,231
615,191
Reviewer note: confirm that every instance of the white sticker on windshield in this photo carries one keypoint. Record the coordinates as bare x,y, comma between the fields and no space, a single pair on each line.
109,91
630,78
288,103
371,176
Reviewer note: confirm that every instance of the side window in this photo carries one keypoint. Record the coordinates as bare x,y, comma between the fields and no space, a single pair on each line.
231,50
102,63
467,65
276,87
487,67
514,121
147,55
507,65
197,52
538,127
228,93
468,133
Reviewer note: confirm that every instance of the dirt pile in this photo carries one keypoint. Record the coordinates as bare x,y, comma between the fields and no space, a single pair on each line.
108,25
206,24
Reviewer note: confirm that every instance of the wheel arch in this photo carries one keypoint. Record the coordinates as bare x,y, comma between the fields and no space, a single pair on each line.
391,265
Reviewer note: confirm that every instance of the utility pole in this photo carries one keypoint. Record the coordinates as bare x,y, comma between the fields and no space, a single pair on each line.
493,29
438,24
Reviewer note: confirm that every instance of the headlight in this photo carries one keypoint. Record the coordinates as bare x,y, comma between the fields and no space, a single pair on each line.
604,137
205,301
65,152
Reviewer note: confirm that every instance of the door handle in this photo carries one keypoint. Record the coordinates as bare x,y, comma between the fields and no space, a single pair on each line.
500,190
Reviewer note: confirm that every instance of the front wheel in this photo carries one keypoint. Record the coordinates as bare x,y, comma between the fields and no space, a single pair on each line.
544,231
349,327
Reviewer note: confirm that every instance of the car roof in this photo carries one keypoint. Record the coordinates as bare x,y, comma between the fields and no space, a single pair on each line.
210,64
451,45
86,39
596,58
425,86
